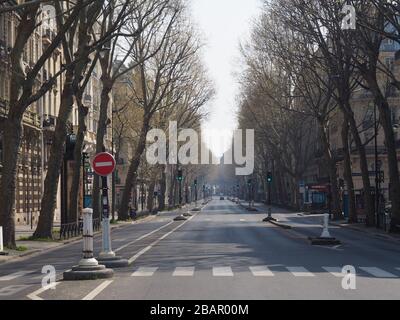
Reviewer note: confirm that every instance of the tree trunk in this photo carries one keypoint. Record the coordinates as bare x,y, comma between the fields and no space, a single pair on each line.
131,178
101,133
368,199
76,177
348,176
150,198
12,134
45,224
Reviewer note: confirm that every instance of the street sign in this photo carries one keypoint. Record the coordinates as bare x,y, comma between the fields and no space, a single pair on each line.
103,164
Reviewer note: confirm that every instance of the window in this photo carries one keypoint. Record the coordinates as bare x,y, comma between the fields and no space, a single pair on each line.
389,63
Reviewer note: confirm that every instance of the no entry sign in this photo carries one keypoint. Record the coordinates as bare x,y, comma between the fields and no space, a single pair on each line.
103,164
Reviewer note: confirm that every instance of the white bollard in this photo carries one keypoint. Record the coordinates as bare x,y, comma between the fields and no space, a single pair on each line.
325,232
1,240
88,257
106,252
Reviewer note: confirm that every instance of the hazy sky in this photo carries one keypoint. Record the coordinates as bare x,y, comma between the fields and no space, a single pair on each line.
223,24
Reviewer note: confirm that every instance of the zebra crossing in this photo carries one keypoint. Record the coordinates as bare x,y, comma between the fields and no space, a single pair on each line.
229,272
267,272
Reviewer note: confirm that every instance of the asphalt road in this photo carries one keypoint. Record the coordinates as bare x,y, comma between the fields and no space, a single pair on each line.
222,253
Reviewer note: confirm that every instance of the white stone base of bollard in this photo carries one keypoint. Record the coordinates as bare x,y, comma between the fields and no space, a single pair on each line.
88,263
88,268
326,239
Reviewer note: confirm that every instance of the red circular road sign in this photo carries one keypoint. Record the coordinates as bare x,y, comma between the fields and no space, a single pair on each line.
103,164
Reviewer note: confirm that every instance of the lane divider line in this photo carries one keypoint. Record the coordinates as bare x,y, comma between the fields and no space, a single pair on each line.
16,275
93,294
139,254
35,295
143,237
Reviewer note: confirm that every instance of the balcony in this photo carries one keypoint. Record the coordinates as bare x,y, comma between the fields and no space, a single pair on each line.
32,119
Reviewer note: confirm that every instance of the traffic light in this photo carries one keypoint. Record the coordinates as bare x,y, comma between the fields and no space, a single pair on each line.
195,182
180,175
250,182
269,177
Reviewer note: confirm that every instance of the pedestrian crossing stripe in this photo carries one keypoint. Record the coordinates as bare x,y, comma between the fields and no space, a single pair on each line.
300,272
378,273
261,271
144,272
222,272
184,272
335,271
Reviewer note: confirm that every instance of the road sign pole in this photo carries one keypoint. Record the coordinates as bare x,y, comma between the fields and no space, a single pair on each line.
107,252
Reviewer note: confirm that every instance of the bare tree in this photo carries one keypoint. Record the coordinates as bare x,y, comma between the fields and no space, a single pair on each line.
159,76
22,95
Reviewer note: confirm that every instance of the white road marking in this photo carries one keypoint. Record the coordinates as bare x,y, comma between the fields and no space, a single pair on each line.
35,295
103,164
242,220
144,272
184,272
98,290
15,275
136,256
142,237
12,290
261,271
222,272
300,272
379,273
335,271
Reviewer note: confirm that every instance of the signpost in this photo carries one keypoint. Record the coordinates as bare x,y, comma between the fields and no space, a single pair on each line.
104,165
